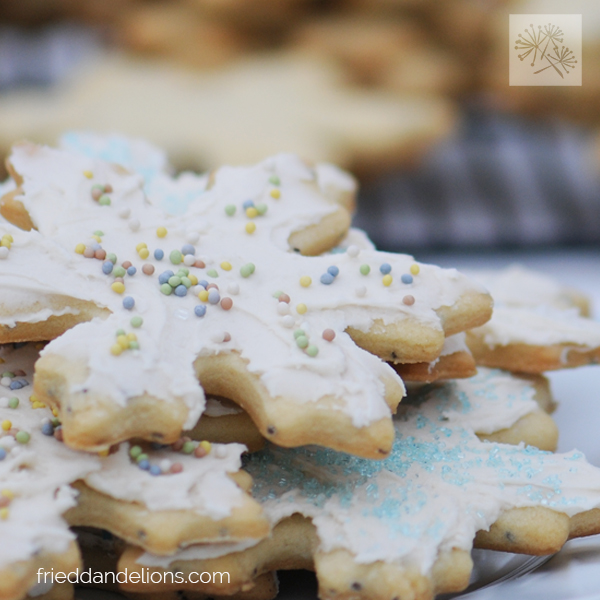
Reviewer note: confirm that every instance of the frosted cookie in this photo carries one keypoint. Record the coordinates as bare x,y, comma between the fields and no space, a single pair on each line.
162,499
219,294
291,102
454,362
537,324
385,529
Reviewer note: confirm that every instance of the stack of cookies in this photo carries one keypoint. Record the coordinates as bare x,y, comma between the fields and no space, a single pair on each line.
155,328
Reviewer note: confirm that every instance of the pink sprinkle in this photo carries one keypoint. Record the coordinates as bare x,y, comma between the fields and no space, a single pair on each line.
212,285
199,264
100,254
96,193
283,297
108,188
408,300
126,264
226,303
226,337
89,252
199,452
178,445
176,468
148,269
329,335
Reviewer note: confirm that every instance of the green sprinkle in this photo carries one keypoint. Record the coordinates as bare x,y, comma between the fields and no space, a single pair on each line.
175,257
98,187
13,402
312,351
174,281
274,180
136,321
134,345
98,233
104,200
302,341
247,270
55,422
298,333
119,272
365,269
186,282
120,332
212,273
230,210
140,457
166,289
8,374
112,257
261,208
277,294
22,437
188,447
184,271
135,451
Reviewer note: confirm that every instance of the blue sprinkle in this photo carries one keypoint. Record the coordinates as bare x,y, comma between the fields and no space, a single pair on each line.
48,428
131,271
95,246
248,204
16,385
107,267
327,278
144,465
214,296
2,453
333,270
406,278
188,249
385,268
159,254
128,302
154,470
200,310
203,283
180,290
164,277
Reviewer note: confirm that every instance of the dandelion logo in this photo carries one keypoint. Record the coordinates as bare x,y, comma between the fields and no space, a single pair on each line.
547,52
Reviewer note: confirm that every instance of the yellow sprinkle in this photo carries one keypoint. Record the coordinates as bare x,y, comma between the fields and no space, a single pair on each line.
80,248
301,309
131,337
55,412
275,194
7,494
387,280
118,287
88,174
116,349
305,281
206,445
5,243
203,295
193,279
123,341
6,425
161,232
140,246
97,238
415,269
104,452
251,212
226,266
35,404
250,227
8,238
4,513
144,253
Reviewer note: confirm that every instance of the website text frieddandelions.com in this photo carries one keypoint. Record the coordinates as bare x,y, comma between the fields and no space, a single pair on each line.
87,576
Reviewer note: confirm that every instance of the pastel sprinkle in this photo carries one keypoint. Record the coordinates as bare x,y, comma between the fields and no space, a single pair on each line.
353,251
274,180
408,300
247,270
226,303
128,302
200,310
118,287
302,341
112,257
305,281
180,291
261,208
136,321
175,257
154,470
213,296
301,309
2,453
144,253
135,451
22,437
251,212
80,248
361,291
187,249
298,333
119,272
116,349
148,269
329,335
161,232
47,429
387,280
247,204
415,269
212,273
312,350
385,268
107,267
203,295
88,174
333,271
13,402
406,278
104,200
250,227
275,194
327,278
365,269
131,271
230,210
226,266
6,425
159,254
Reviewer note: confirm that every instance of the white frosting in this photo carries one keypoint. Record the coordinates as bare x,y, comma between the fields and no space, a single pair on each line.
38,473
57,195
455,343
440,485
532,308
